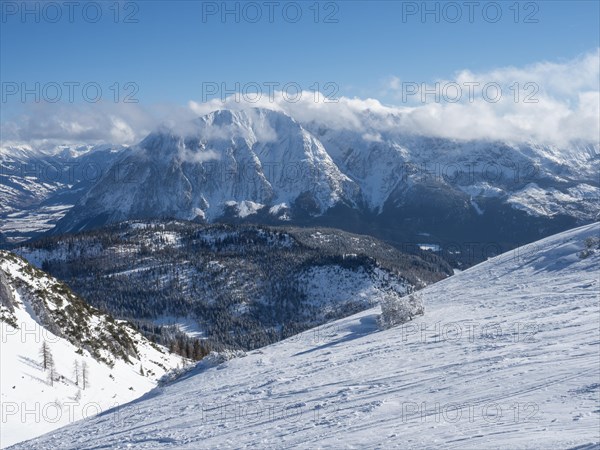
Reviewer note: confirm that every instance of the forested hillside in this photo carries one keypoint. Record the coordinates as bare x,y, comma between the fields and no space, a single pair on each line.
231,286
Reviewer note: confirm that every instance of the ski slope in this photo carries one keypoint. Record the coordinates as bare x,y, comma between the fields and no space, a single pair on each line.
506,356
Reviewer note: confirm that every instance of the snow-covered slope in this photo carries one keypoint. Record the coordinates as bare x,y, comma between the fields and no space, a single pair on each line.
506,356
97,362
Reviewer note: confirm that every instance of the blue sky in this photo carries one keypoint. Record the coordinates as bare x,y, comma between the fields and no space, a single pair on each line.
169,49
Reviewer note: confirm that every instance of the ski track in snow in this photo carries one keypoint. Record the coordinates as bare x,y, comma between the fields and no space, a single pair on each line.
516,335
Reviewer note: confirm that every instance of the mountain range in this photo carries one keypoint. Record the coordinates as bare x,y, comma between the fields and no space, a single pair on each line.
469,199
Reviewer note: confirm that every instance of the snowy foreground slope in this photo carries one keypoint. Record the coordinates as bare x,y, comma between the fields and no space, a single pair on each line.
97,362
506,356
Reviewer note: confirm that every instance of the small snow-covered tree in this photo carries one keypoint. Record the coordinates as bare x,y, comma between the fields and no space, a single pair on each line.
396,311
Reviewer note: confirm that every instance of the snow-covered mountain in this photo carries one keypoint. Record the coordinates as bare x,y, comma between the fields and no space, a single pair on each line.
225,161
62,359
39,185
365,175
506,356
383,161
467,196
264,166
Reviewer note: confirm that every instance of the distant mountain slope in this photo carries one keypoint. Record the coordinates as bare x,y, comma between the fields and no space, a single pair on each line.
386,163
237,286
93,362
467,195
39,185
506,356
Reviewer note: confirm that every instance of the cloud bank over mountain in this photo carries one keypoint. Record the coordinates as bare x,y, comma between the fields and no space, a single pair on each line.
547,102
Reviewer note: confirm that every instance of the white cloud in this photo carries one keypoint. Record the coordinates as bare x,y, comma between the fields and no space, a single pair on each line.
343,113
47,123
559,79
555,103
567,109
372,137
197,157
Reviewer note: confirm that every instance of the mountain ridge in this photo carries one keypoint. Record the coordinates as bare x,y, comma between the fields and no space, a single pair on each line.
235,286
258,165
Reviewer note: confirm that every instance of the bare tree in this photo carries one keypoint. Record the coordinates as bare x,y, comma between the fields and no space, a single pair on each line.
84,375
45,354
76,372
51,370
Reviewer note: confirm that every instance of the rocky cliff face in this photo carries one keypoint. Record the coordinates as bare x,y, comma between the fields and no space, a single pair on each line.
236,162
